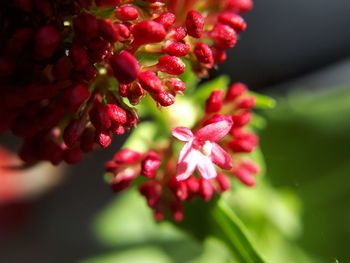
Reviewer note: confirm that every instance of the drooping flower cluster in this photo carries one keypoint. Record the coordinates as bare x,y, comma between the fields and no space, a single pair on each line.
217,150
68,67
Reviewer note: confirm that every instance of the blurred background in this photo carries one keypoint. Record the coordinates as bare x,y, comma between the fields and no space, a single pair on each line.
295,51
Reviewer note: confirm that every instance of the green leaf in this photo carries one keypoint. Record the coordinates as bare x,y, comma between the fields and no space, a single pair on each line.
263,101
218,220
233,233
141,137
204,90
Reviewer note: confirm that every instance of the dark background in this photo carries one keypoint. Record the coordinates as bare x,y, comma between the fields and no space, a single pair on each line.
285,40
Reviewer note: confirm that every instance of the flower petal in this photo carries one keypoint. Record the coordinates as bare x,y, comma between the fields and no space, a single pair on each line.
214,131
220,157
187,162
206,167
182,133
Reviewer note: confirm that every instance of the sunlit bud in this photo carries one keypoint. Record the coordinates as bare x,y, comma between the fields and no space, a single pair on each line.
164,98
223,181
244,176
176,34
150,164
173,48
116,113
206,190
235,90
151,191
179,188
175,84
241,119
177,211
150,82
166,19
171,65
223,36
214,102
246,103
126,13
103,138
233,20
194,24
204,53
127,156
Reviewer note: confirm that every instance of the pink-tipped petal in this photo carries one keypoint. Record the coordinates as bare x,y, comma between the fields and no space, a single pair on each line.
214,131
220,157
182,133
187,162
206,167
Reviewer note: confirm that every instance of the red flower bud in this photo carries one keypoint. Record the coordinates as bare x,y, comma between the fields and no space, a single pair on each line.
47,40
178,49
217,118
192,184
125,67
177,211
244,176
166,19
204,53
147,32
206,190
127,156
218,54
99,117
74,96
73,132
179,188
108,30
108,2
239,6
241,119
151,191
171,65
164,98
246,103
123,30
245,143
135,93
175,84
78,55
235,90
176,34
124,89
150,164
233,20
116,113
214,102
88,139
223,181
223,36
150,82
85,26
123,180
117,129
194,24
104,139
126,13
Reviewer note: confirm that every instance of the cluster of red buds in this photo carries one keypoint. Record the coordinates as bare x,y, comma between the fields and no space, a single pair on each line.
69,69
222,138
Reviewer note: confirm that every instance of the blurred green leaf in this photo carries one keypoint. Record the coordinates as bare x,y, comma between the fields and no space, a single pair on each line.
141,137
263,101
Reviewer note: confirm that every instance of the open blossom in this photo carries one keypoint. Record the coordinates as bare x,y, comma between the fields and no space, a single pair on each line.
201,151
